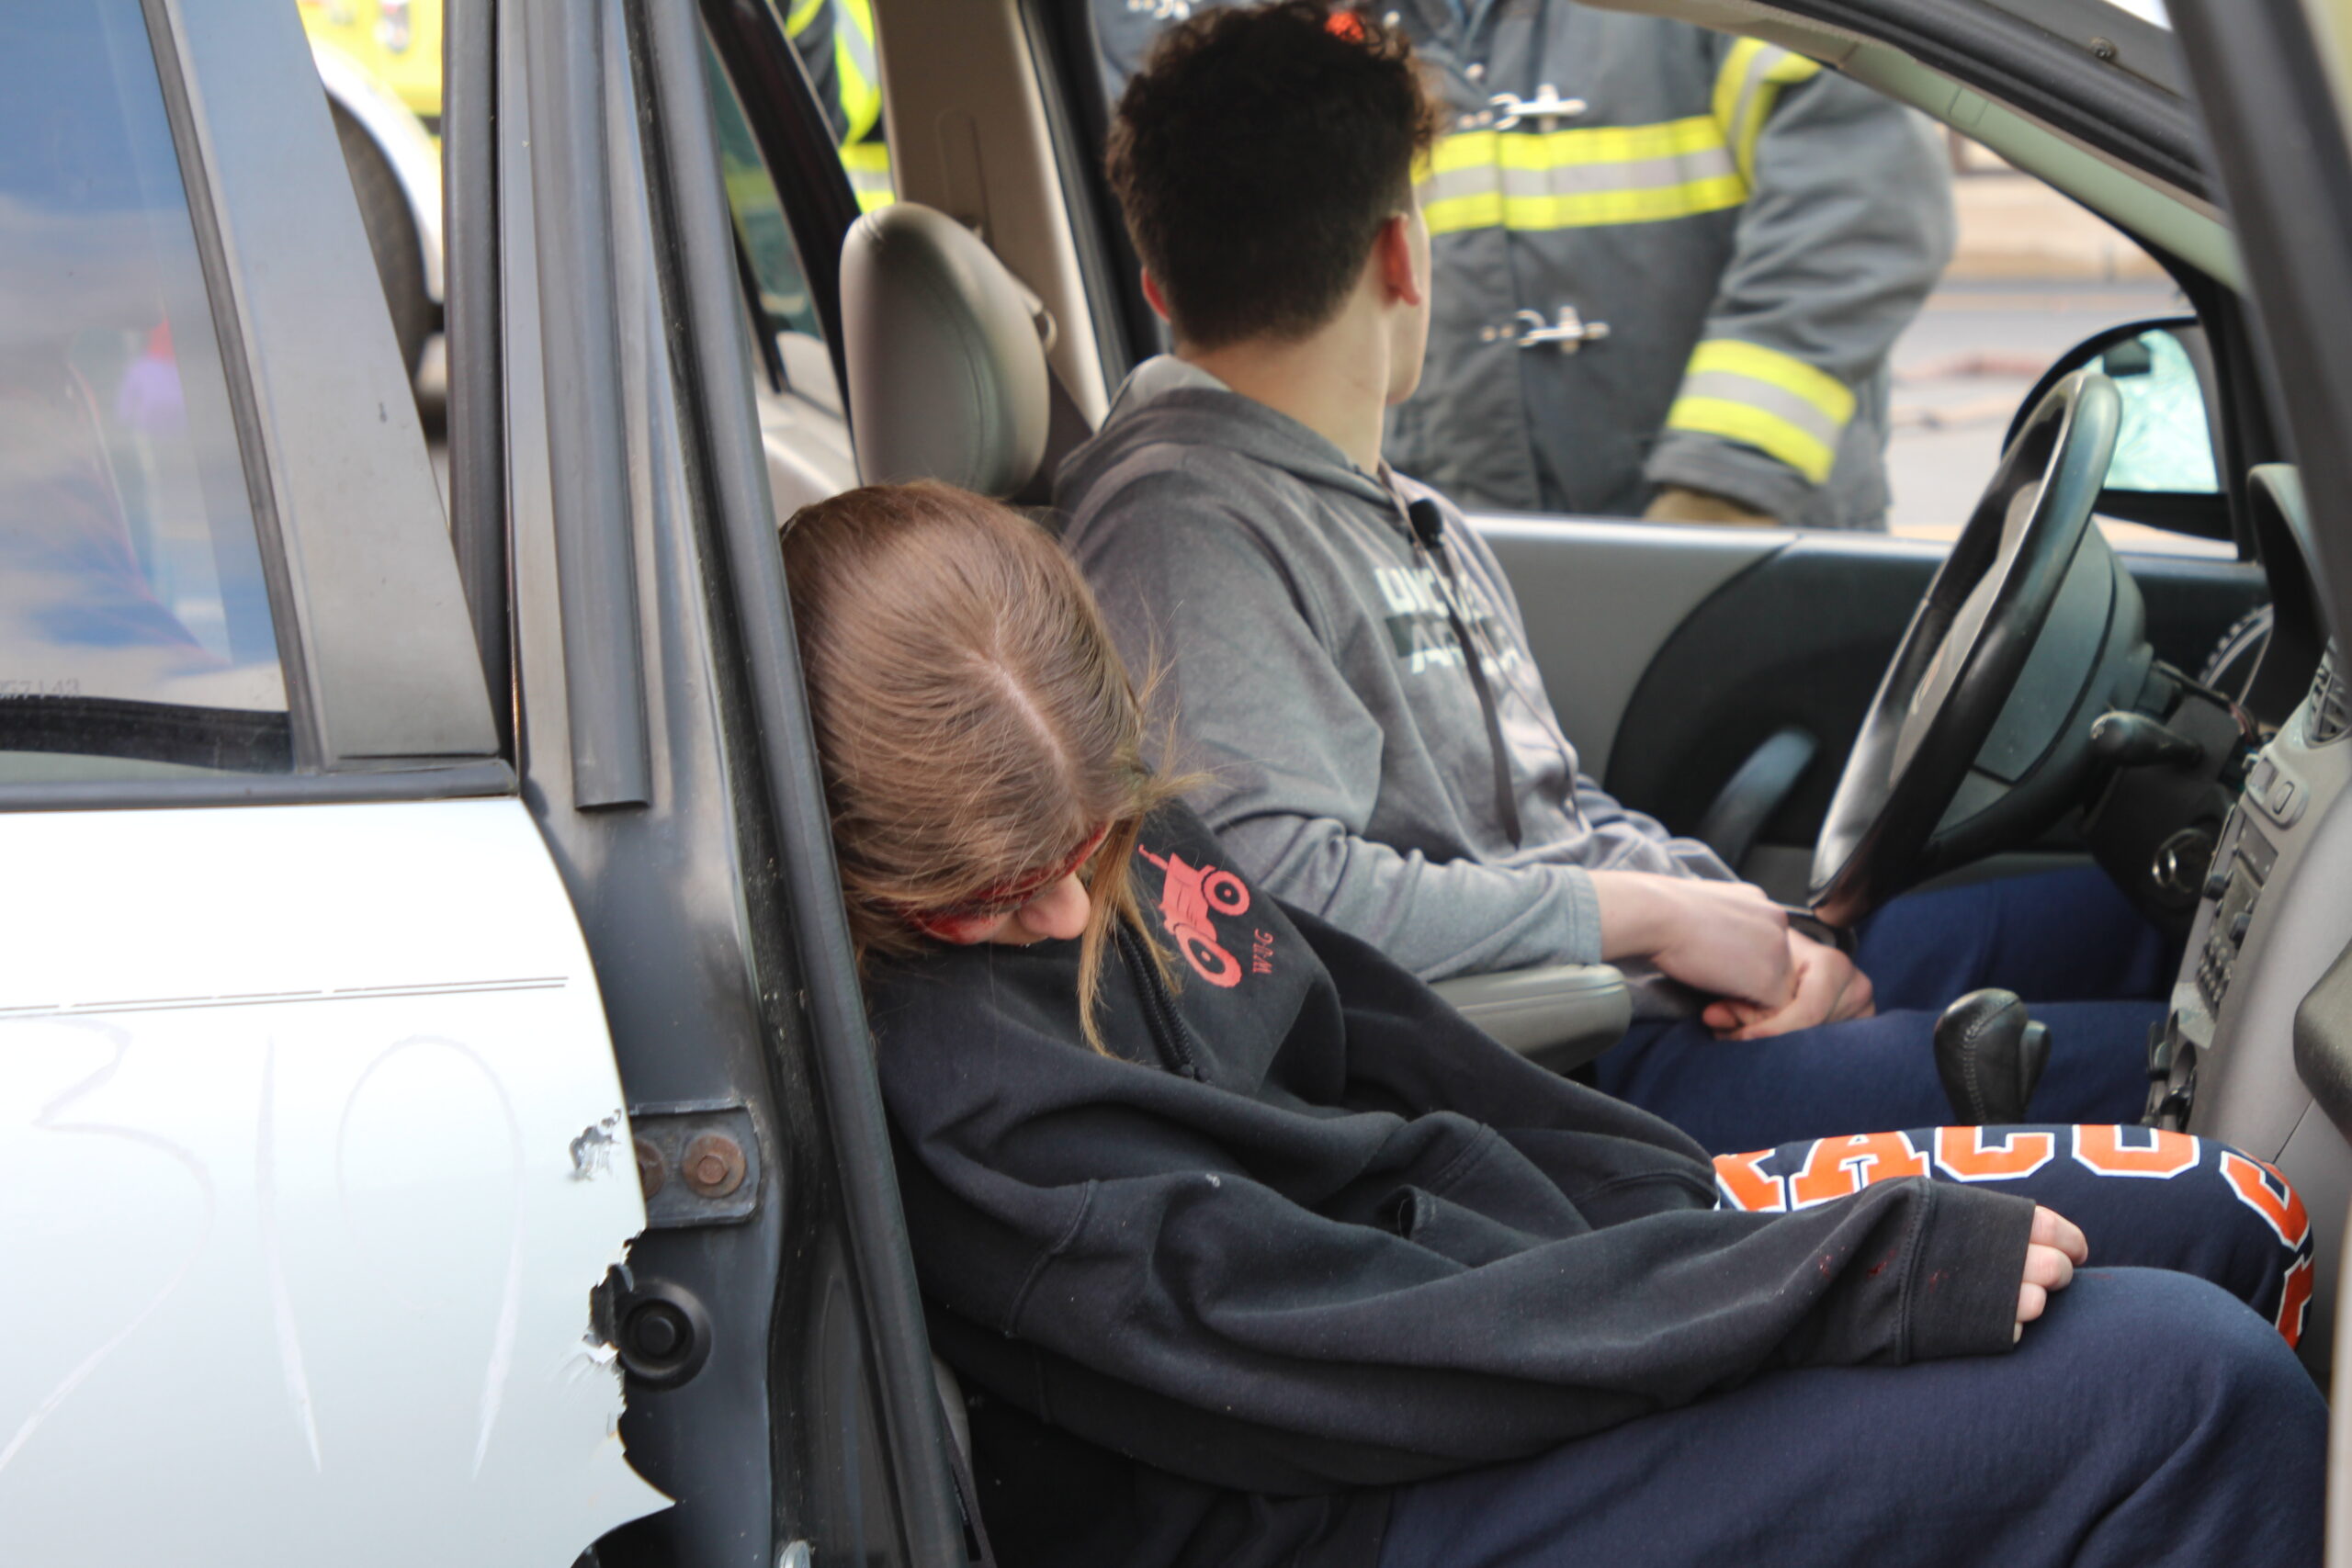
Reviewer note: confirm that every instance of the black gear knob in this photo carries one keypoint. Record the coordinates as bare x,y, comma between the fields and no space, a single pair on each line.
1990,1055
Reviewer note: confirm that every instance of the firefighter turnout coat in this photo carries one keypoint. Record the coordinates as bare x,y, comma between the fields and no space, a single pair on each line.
835,38
1664,256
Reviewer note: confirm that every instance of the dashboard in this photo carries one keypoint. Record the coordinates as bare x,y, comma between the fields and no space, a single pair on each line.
2275,917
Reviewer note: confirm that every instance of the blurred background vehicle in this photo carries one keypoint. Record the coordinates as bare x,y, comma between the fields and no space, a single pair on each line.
380,62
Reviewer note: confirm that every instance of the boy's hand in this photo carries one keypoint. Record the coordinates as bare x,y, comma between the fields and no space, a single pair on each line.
1723,938
1828,989
2052,1253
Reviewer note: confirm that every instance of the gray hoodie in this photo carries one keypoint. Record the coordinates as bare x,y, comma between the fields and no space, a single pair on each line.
1301,642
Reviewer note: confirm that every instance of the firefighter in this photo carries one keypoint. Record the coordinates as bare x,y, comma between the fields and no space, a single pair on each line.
1670,264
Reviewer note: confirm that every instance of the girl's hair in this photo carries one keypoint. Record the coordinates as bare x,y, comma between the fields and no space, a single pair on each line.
973,717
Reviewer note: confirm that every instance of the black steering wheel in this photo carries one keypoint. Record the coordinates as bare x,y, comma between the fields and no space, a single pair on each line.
1977,736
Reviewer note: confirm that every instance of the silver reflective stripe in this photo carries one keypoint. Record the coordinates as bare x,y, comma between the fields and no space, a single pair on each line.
1778,401
1750,84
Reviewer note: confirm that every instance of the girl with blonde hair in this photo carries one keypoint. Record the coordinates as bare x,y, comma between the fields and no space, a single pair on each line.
1251,1250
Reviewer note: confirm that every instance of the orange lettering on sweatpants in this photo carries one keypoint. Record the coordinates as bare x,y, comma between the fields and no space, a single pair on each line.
1744,1187
2162,1156
2294,1297
1839,1167
2260,1187
1961,1154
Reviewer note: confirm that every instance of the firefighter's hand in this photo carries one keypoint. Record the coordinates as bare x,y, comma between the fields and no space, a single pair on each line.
1829,989
1726,939
1676,504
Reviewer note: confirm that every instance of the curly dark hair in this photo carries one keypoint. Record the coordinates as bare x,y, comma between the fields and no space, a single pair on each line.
1256,156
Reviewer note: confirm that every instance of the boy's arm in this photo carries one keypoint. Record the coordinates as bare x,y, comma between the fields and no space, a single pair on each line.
1228,647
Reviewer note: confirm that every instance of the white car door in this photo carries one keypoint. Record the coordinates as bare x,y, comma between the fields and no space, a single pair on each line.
312,1148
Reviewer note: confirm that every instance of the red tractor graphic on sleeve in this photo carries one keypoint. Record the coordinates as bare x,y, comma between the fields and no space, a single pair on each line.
1188,896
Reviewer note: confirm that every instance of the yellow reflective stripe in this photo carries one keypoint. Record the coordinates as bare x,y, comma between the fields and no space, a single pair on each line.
804,12
854,64
1772,402
1579,177
1817,387
1788,70
1730,77
869,165
1746,87
1756,427
1491,209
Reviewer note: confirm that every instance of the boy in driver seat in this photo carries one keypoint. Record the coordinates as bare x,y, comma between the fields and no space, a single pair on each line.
1308,609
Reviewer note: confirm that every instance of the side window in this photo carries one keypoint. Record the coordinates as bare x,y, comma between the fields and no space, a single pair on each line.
762,230
1699,278
2032,274
135,625
801,423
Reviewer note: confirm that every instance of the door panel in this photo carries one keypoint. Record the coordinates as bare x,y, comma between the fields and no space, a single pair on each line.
312,1112
1672,653
1600,597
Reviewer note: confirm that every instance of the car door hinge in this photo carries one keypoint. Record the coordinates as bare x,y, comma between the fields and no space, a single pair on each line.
698,1162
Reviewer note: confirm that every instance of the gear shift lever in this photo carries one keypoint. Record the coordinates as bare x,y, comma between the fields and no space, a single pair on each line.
1990,1055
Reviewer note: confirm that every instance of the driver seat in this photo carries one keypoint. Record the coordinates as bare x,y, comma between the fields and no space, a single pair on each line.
948,381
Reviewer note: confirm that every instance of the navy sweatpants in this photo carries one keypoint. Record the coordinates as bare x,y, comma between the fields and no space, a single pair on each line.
2144,1197
2067,941
2148,1418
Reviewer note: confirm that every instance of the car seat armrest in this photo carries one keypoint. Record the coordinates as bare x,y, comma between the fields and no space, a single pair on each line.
1564,1014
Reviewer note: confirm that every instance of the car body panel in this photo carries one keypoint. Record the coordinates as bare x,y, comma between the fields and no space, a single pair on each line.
328,1140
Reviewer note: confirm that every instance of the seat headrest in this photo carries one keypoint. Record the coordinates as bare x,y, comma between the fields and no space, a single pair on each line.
947,377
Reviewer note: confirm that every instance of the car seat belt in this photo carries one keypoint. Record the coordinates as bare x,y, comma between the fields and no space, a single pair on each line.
1428,520
1066,429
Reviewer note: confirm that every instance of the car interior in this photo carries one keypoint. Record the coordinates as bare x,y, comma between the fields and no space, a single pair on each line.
1896,712
1844,717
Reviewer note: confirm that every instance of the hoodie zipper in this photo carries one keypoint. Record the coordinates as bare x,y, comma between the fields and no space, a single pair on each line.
1169,1031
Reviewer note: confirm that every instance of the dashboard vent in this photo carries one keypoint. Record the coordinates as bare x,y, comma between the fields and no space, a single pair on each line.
2330,702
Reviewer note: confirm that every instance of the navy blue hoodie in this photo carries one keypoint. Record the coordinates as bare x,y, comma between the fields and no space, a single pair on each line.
1306,1235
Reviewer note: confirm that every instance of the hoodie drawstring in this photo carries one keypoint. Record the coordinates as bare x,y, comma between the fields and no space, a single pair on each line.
1428,520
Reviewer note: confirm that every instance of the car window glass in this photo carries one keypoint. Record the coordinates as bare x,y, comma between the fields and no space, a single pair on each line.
2164,443
763,235
134,619
2034,274
1658,291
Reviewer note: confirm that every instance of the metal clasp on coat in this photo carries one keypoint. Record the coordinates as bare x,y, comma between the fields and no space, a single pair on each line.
1547,104
1527,329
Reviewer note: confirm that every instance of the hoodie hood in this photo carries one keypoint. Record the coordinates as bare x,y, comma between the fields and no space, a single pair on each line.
1167,401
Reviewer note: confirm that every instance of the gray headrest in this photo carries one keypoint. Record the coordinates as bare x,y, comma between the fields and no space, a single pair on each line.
947,376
